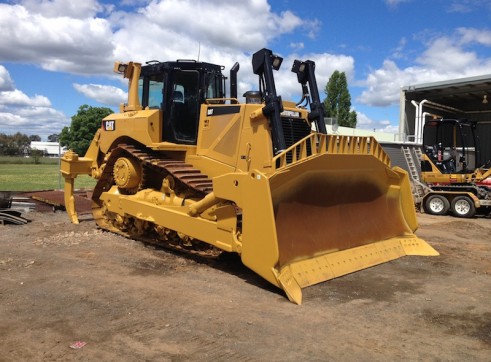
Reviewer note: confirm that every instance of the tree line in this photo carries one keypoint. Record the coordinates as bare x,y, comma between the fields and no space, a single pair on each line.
77,137
19,144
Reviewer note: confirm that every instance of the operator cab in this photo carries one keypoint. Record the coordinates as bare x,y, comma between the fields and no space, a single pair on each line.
451,144
178,89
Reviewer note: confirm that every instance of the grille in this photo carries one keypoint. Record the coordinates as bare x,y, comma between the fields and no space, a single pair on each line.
294,130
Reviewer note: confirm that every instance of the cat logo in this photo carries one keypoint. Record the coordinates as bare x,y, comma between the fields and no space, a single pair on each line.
109,125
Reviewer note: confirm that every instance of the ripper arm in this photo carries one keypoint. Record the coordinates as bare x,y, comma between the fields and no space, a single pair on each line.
71,166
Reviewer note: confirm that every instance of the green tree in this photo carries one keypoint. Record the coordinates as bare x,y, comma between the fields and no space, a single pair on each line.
83,127
14,145
338,101
53,137
35,138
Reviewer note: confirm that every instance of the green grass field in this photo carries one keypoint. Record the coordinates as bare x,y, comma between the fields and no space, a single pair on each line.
28,160
35,177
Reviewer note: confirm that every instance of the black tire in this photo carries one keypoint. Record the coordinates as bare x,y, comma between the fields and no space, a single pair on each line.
436,205
463,206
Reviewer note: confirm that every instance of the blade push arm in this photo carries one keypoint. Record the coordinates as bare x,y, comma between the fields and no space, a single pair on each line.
306,75
263,64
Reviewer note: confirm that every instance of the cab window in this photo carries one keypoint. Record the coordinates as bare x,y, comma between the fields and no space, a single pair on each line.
150,90
213,84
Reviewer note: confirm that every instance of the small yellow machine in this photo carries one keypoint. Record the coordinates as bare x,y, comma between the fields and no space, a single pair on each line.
185,166
452,170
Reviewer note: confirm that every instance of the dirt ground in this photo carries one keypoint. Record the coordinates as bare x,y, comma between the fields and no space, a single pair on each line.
62,283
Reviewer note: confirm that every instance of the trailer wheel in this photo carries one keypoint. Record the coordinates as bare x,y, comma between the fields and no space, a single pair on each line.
436,205
463,206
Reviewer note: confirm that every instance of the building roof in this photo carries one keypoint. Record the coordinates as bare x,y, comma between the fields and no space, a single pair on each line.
466,94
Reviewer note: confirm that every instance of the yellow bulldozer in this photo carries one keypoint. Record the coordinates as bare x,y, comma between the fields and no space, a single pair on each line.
183,165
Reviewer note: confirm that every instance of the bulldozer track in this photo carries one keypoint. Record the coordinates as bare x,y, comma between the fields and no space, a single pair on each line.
188,180
184,173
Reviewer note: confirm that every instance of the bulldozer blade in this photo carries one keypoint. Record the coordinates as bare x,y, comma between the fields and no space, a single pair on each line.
336,214
325,217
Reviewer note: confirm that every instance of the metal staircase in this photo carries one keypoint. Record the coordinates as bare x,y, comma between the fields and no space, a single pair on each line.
418,188
418,153
413,171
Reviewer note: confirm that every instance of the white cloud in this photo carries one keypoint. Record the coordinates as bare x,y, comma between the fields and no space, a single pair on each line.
395,3
383,85
86,37
6,83
63,35
18,98
225,28
365,122
22,113
468,6
61,43
53,8
445,57
399,51
325,64
478,36
297,46
41,121
312,27
104,94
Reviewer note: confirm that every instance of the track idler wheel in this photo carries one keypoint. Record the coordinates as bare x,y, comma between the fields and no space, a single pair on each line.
127,174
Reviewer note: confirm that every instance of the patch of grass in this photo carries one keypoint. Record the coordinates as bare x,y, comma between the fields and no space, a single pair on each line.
18,160
32,177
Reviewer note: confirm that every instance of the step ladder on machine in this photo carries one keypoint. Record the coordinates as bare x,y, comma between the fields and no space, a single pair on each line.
418,153
418,188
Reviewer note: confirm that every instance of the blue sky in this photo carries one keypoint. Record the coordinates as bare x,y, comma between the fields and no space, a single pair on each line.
56,55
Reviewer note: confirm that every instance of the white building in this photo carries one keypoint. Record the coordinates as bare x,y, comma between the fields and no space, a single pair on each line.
49,149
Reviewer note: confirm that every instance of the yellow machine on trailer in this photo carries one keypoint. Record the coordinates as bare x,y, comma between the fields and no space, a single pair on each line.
183,165
456,180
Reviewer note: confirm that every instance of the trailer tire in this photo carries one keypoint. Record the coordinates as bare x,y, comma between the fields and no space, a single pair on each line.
463,206
436,205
